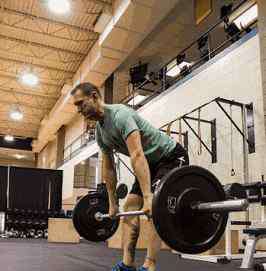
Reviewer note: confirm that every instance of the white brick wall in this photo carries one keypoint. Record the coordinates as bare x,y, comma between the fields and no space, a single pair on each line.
74,129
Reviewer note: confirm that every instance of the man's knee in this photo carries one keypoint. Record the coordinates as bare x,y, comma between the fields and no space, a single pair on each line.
133,202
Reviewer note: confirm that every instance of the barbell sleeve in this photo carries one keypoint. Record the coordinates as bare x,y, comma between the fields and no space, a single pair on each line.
222,206
99,216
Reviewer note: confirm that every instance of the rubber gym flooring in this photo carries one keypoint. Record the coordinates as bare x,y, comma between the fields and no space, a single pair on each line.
33,255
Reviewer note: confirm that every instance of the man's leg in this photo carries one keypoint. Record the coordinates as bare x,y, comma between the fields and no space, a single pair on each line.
130,229
157,172
154,246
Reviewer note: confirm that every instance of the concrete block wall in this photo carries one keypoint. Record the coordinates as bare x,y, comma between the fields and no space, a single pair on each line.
47,157
69,166
262,40
74,129
17,163
120,85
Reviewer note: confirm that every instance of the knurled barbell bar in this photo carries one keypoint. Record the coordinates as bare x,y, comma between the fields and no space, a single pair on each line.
219,206
189,211
100,217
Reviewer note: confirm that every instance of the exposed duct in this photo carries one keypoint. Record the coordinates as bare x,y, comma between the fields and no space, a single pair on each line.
132,21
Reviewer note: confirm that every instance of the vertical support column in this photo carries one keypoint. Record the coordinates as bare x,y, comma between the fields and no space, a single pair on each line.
245,146
262,38
228,239
164,70
186,141
60,146
213,141
108,89
99,163
245,150
7,190
36,159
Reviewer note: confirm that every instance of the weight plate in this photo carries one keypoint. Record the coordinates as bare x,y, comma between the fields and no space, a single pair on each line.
86,224
180,227
121,191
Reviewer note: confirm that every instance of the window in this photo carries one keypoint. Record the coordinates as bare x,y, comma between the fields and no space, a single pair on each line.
85,173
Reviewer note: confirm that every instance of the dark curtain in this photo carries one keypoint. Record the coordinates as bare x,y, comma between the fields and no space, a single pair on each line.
28,188
56,182
3,188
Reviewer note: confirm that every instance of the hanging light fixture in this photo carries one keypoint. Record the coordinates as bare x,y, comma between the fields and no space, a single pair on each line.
59,6
19,156
15,113
9,138
29,78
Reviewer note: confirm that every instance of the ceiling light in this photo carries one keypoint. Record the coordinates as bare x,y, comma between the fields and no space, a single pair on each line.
59,6
136,100
19,156
247,17
30,79
9,138
174,70
16,114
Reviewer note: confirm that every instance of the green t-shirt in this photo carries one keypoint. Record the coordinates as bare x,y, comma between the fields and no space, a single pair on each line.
119,122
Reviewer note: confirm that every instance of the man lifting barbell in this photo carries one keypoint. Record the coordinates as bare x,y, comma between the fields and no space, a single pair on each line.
152,155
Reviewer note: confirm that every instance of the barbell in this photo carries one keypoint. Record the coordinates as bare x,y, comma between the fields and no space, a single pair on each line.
218,206
189,211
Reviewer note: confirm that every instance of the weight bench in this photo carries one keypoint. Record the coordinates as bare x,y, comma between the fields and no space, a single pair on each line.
254,235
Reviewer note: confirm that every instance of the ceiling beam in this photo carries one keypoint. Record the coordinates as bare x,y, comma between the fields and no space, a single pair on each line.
29,93
8,59
100,2
52,35
41,82
48,20
27,105
29,124
17,132
44,80
41,45
10,160
28,115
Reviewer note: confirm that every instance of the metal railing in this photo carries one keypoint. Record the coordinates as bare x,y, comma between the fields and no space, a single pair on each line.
192,57
78,144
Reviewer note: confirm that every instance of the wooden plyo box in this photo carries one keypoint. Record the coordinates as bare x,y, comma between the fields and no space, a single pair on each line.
61,230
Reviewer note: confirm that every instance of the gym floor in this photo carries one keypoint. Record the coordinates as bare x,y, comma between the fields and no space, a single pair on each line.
29,255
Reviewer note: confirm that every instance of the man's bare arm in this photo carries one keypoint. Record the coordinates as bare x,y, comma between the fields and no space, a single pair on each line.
139,163
109,176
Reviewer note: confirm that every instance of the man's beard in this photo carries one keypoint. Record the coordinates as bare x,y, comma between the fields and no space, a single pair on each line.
89,113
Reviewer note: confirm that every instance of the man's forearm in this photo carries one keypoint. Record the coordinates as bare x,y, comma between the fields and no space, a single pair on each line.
111,189
142,171
109,176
